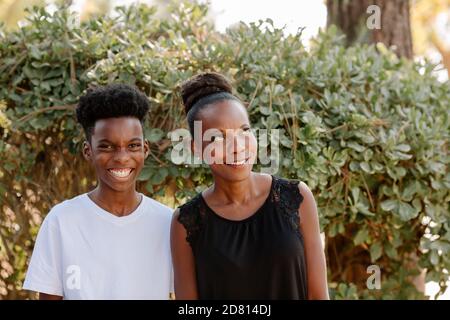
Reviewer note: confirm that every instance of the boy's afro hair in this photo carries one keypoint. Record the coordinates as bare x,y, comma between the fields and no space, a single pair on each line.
111,101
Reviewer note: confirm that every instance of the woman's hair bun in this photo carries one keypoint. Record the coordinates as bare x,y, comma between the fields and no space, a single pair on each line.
202,85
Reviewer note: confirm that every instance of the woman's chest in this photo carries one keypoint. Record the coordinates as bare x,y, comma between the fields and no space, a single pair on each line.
258,241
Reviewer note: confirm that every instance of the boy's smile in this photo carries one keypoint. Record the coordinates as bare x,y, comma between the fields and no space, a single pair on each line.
120,173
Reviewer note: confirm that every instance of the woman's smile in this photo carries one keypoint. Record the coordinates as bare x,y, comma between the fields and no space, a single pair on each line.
238,164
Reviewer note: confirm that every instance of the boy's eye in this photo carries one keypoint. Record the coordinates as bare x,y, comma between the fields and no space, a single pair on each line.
135,145
105,146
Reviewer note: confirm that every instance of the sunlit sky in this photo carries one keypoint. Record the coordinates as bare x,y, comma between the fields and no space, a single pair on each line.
292,14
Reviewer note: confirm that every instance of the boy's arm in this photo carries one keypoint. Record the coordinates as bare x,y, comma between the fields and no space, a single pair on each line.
45,296
45,267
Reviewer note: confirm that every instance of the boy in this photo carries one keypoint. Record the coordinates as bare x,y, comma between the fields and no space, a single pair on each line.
112,242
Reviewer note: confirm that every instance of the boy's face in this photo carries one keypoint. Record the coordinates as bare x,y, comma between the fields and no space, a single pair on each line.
117,150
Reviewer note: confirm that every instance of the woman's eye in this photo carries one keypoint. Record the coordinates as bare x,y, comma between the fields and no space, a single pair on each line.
135,145
104,146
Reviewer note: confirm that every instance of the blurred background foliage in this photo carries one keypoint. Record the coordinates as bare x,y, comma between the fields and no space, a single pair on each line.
429,18
366,130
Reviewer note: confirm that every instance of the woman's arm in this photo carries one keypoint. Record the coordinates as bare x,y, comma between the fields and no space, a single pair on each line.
315,256
185,279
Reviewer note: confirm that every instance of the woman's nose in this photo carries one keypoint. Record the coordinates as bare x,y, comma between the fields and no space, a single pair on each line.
237,144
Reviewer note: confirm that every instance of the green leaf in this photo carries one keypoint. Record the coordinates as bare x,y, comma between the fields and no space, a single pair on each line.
361,236
145,174
391,252
149,186
35,52
355,194
9,167
154,135
403,147
375,251
286,142
368,154
333,230
409,191
400,172
389,205
159,176
434,257
354,166
406,211
356,146
264,110
365,167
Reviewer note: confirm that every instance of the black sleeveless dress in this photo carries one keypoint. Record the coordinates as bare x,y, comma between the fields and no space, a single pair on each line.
260,257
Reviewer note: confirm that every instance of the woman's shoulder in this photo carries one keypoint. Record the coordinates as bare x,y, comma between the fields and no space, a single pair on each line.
287,194
287,187
190,210
190,215
190,206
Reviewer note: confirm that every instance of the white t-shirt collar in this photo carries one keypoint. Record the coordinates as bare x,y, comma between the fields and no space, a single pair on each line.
92,206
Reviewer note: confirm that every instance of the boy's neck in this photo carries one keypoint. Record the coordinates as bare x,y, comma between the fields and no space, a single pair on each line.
118,203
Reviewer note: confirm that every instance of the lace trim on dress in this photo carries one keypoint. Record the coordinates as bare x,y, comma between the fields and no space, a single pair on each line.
191,217
287,199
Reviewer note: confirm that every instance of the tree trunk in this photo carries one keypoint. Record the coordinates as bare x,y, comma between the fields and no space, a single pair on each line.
351,16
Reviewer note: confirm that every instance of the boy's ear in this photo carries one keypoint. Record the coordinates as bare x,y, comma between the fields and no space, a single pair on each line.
146,148
87,151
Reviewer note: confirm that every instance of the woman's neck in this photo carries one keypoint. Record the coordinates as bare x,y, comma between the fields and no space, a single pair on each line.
235,192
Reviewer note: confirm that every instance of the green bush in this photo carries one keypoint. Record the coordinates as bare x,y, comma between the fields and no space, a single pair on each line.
366,131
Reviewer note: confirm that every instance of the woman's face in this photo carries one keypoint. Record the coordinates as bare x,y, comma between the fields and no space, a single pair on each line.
229,146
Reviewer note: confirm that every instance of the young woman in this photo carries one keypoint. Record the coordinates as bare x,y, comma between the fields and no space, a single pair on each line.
112,242
249,235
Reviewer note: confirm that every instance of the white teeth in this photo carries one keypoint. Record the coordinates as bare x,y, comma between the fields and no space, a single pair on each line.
120,173
238,163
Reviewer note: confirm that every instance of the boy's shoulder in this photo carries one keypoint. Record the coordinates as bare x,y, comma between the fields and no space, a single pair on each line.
66,207
158,208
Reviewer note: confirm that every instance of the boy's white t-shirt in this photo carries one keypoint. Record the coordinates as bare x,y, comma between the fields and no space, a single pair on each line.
85,252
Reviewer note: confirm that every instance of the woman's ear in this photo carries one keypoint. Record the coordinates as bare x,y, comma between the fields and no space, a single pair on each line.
146,148
87,151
